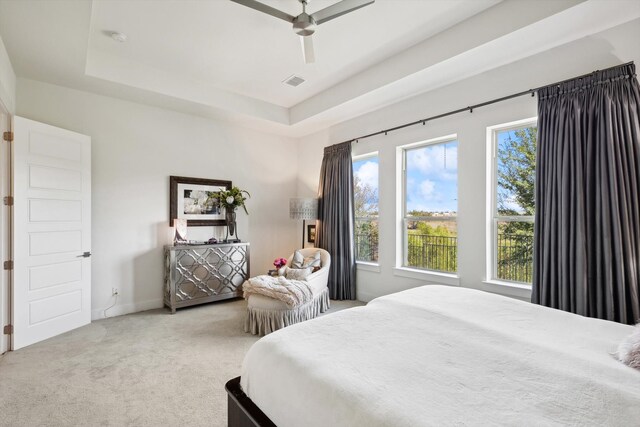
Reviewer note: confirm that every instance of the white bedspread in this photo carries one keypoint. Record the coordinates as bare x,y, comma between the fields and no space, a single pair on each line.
437,355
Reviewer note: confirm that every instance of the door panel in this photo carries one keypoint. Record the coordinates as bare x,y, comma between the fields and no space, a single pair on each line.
45,276
54,178
52,229
48,210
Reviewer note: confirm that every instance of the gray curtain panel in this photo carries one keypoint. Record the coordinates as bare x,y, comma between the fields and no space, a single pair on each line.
587,228
335,226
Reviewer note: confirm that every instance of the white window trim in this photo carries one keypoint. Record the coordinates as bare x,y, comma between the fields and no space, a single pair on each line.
370,265
401,268
519,288
430,276
365,156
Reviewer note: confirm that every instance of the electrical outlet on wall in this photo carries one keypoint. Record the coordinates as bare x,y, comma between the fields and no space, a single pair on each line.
114,291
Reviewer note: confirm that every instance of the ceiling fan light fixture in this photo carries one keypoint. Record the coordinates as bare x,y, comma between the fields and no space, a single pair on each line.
304,25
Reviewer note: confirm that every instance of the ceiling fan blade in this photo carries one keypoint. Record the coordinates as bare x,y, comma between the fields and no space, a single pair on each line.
339,9
307,49
261,7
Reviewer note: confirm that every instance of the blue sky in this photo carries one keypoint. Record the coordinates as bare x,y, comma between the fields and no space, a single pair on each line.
367,171
432,178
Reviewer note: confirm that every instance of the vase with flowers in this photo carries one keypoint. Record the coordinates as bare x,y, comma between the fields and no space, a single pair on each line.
278,263
230,200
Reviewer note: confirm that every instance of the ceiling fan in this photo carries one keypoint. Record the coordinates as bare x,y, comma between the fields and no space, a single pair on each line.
304,24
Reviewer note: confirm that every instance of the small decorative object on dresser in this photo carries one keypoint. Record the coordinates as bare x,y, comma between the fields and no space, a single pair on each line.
195,274
180,226
230,200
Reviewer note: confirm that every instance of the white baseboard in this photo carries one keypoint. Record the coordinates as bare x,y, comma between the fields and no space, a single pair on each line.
365,296
120,309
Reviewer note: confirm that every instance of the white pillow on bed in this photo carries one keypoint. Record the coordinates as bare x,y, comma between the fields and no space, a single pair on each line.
629,349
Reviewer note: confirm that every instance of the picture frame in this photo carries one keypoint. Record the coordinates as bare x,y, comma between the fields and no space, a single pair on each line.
189,200
311,233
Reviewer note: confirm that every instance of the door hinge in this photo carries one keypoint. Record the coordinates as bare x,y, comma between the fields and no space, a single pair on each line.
8,329
8,136
8,265
8,201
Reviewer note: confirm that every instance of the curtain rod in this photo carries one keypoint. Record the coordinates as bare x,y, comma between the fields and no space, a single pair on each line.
482,104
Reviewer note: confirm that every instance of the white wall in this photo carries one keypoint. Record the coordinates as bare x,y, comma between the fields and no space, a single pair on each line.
7,81
135,148
603,50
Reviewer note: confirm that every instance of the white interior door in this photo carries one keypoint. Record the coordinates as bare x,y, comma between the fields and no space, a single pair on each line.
51,231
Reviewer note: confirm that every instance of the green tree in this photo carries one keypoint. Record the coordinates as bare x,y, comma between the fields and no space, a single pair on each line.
516,179
365,200
516,172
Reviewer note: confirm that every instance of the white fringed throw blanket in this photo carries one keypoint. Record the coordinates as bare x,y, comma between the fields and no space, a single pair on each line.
293,293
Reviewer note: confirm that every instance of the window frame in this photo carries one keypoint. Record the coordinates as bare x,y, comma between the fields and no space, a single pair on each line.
495,218
404,241
358,158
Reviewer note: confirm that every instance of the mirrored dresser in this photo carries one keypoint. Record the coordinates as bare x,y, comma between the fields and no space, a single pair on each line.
196,274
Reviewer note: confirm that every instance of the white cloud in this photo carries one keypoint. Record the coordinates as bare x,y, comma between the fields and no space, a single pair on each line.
437,160
368,174
427,188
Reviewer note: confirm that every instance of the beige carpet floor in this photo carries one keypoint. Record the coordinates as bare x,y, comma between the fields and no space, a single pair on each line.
144,369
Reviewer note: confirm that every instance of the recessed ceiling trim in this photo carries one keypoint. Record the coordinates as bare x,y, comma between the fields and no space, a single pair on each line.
119,70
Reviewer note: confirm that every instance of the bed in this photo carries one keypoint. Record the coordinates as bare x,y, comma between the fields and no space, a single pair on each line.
438,355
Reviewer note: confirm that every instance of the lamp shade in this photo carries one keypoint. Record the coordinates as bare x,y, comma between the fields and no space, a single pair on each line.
303,209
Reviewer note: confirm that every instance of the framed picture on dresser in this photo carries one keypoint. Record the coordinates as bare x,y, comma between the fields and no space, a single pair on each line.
192,199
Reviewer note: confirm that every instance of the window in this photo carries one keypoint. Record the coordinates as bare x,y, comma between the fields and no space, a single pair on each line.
365,192
431,205
514,163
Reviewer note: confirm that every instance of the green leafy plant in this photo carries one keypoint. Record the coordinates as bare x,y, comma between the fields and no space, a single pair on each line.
231,199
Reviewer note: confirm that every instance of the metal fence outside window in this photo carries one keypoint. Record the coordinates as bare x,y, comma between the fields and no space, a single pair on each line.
432,252
515,257
366,239
440,253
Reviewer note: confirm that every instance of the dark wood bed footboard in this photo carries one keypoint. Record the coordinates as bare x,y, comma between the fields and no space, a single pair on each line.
242,412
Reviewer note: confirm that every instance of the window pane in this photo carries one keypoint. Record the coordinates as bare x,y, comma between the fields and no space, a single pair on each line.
366,239
432,180
365,195
515,251
516,162
432,245
432,191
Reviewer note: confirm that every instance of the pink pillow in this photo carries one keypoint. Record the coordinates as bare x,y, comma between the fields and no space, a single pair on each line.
629,349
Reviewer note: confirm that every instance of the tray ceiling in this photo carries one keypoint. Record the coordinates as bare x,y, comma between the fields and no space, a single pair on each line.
219,59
